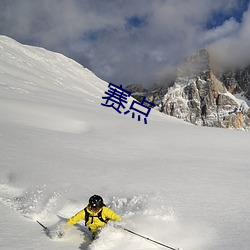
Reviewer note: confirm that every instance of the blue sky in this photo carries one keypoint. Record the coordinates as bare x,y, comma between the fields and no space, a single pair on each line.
131,41
218,17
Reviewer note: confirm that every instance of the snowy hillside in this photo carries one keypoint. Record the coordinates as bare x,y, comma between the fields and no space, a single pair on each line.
179,184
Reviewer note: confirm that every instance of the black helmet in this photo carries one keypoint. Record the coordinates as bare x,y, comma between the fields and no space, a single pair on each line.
96,202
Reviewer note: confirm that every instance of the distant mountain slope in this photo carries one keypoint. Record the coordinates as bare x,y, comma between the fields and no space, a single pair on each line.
44,68
33,74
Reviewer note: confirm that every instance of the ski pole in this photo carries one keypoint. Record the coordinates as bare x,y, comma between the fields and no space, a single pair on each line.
146,238
45,228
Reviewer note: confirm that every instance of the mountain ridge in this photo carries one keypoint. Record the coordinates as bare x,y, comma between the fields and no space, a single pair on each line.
202,96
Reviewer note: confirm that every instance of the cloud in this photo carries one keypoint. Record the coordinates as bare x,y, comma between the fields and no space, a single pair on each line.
124,41
228,28
232,50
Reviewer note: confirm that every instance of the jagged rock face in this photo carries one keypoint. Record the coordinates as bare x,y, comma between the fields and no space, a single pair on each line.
136,88
199,97
137,91
204,102
237,81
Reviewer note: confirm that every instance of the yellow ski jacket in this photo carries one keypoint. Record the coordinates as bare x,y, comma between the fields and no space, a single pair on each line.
94,223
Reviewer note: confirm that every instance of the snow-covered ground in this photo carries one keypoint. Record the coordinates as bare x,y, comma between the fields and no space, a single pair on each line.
182,185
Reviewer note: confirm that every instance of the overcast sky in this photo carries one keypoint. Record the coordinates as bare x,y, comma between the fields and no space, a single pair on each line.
131,41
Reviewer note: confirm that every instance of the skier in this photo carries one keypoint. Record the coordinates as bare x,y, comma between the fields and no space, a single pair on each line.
95,214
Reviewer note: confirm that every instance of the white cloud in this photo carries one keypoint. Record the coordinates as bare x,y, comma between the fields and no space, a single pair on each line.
98,34
228,28
233,50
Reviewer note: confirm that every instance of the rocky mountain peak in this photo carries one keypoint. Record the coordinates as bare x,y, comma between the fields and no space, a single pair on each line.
197,64
202,97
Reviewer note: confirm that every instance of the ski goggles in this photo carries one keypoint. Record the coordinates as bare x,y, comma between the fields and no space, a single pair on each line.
94,208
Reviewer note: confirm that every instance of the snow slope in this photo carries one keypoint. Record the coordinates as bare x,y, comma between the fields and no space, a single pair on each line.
176,183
